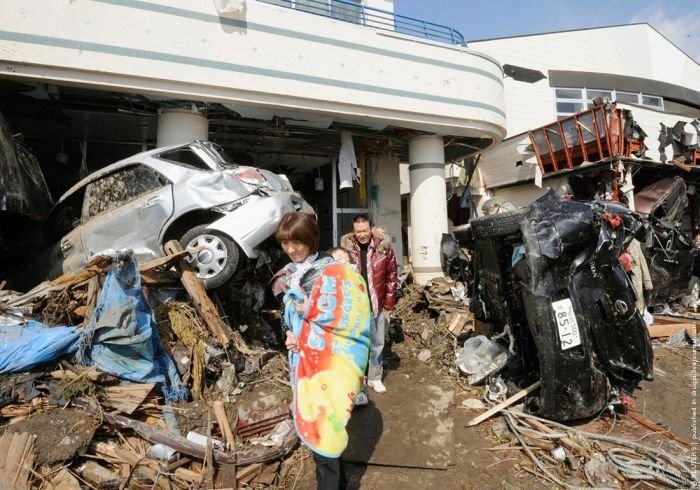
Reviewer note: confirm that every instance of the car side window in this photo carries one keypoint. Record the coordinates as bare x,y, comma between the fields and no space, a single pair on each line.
118,188
64,218
185,156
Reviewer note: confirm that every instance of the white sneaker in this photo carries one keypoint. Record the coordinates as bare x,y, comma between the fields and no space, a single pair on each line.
361,399
377,385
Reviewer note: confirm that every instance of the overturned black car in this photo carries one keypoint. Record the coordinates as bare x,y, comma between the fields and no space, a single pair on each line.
550,279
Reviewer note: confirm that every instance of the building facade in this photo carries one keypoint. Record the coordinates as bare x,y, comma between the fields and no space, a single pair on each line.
275,83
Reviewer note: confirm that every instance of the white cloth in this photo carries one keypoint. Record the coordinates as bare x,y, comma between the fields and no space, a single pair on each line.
347,162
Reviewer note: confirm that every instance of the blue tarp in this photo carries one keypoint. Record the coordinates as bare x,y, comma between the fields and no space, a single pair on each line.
24,346
121,336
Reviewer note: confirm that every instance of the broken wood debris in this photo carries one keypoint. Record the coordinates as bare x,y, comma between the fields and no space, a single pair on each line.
199,296
113,430
16,459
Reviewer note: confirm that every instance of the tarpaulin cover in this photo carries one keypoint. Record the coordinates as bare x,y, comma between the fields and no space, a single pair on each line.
121,336
24,346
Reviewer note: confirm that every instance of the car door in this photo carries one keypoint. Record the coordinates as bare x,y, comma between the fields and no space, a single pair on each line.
61,231
127,210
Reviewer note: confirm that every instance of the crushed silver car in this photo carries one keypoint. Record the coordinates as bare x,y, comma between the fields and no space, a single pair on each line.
191,193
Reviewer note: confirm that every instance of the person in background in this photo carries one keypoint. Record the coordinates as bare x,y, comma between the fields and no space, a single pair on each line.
376,262
342,254
326,310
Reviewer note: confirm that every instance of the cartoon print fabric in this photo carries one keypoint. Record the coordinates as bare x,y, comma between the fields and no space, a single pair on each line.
334,337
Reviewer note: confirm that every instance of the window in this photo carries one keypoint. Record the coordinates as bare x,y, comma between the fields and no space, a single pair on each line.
64,218
569,101
118,188
185,156
572,100
627,98
652,101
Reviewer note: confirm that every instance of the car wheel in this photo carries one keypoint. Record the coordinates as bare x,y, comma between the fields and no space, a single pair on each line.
217,259
496,225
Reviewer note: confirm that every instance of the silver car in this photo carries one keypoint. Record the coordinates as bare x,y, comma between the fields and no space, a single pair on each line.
191,193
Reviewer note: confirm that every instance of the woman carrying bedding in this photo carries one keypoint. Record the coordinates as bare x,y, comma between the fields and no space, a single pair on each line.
326,311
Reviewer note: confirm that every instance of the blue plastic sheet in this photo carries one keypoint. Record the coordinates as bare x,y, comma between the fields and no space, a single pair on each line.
24,346
122,339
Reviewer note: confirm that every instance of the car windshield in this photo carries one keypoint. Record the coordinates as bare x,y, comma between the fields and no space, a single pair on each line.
222,158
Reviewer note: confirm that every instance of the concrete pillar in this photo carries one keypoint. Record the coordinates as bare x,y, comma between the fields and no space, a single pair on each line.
387,209
179,126
426,158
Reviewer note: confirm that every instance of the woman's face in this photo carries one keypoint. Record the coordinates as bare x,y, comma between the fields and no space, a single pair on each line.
297,251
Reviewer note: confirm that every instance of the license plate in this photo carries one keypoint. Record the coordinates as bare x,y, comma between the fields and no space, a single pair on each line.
569,335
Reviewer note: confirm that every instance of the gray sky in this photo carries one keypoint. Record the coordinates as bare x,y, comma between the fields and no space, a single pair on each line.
678,20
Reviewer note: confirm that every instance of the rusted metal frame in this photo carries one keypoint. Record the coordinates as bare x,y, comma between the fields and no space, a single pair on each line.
616,136
608,136
551,149
599,143
540,161
569,160
584,152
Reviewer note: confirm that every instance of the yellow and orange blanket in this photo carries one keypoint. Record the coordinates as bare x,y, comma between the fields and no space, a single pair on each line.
328,371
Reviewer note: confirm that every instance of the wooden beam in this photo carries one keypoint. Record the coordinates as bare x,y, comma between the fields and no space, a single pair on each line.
504,404
668,329
658,429
201,301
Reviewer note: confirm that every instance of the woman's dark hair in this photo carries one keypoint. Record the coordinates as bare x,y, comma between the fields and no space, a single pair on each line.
301,227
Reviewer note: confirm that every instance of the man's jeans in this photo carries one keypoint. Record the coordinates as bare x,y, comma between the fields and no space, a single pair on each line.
377,328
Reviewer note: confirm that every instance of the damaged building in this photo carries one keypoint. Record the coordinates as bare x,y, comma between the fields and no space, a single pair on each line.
149,149
277,86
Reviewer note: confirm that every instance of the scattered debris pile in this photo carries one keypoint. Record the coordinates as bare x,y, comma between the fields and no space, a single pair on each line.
97,370
441,330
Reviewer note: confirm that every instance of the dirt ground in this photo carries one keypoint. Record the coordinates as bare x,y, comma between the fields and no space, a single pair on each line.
667,401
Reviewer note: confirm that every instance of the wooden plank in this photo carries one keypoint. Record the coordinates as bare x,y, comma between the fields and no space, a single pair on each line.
565,441
658,429
93,291
505,403
168,260
226,476
16,459
224,425
668,329
201,301
126,397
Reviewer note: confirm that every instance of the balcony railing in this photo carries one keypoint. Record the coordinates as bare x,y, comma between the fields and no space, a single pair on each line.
355,13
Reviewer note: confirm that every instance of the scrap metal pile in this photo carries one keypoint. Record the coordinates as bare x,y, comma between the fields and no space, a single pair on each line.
117,377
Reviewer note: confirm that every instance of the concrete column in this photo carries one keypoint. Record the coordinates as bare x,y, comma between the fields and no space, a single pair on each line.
387,209
179,126
426,158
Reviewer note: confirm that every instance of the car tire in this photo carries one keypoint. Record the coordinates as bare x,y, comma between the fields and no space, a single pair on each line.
496,225
216,263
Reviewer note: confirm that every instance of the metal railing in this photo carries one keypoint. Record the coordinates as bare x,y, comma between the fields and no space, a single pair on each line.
355,13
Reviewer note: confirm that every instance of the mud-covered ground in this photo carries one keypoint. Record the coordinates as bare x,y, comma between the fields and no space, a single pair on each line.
667,401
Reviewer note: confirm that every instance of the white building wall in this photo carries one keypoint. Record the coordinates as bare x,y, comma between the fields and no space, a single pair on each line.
522,196
263,55
633,50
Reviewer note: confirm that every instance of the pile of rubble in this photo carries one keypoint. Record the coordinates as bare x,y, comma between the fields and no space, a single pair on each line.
96,370
439,329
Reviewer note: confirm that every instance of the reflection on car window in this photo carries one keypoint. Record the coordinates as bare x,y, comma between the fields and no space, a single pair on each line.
118,188
64,218
185,156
